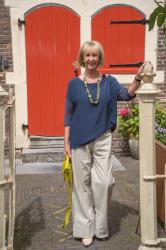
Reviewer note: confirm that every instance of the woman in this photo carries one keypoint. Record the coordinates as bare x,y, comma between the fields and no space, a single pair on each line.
90,119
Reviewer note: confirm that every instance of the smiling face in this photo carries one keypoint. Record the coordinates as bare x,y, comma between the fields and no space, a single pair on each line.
91,59
91,55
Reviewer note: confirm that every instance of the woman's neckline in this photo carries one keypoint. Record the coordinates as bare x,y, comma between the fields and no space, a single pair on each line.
93,83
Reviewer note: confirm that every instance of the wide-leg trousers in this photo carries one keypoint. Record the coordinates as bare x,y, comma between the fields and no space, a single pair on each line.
92,187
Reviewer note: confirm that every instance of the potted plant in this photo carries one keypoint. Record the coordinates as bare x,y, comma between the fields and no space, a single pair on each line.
160,134
160,131
128,127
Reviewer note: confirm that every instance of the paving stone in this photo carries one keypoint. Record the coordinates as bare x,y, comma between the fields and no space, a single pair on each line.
41,201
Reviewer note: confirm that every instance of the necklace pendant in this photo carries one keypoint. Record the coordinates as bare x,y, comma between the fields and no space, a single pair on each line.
92,101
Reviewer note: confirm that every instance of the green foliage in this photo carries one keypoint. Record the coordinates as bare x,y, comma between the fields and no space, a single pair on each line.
128,125
161,116
161,124
158,16
128,122
161,137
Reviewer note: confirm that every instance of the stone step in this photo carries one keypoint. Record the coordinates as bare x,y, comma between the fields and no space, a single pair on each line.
34,167
42,155
44,167
46,142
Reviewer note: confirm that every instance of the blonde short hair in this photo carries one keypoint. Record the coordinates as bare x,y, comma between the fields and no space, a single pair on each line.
94,45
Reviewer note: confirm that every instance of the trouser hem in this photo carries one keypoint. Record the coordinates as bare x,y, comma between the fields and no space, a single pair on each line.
80,233
101,234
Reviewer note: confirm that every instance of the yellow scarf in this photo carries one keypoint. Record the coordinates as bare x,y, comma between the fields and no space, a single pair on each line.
68,178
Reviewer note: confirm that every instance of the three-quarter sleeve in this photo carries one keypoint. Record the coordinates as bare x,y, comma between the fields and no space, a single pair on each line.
122,93
69,107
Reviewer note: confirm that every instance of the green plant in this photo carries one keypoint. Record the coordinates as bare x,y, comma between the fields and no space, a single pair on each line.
160,131
159,16
128,122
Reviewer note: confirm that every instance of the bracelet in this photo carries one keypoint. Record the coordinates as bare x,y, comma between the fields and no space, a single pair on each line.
137,80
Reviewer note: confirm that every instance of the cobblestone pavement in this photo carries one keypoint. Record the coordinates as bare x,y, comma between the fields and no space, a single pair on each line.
41,200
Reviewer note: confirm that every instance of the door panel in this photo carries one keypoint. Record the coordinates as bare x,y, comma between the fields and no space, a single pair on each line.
52,42
123,43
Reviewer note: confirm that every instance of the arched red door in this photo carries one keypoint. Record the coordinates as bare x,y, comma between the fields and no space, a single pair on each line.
123,43
52,40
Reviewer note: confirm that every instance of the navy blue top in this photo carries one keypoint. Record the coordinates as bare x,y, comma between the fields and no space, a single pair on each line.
88,121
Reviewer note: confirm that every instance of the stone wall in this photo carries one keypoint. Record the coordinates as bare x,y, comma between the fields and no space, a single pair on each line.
5,37
161,60
5,52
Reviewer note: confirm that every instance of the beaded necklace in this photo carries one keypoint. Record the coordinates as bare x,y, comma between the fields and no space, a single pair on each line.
92,101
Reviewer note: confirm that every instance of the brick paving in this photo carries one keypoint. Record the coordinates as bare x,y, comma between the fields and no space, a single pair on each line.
40,206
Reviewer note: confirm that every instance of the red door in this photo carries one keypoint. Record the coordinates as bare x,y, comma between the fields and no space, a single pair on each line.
123,43
52,41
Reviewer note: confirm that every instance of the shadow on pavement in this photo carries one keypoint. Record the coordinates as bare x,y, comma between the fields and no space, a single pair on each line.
117,213
27,223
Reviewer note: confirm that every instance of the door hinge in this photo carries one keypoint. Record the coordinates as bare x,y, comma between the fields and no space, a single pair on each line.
138,64
21,22
142,21
24,126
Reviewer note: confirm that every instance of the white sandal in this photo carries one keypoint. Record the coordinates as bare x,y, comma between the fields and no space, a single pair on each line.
87,241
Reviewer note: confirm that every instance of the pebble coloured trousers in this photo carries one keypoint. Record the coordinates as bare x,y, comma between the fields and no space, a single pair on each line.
92,187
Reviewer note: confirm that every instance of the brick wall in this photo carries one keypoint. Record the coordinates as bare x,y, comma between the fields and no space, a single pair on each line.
5,37
6,52
161,61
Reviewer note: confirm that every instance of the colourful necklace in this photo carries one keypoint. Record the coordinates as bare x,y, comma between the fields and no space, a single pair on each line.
92,101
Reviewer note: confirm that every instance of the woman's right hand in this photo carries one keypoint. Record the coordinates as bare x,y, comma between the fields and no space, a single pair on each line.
67,150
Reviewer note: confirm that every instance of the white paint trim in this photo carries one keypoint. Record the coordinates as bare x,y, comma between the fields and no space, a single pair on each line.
84,8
